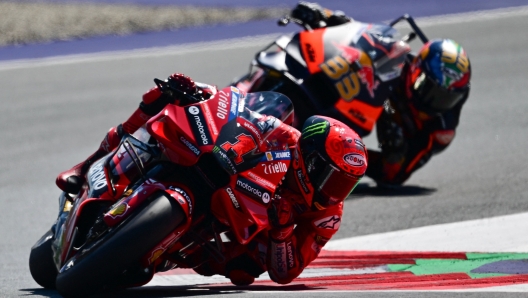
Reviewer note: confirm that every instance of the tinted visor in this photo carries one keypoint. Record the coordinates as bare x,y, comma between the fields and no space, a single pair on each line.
331,185
432,97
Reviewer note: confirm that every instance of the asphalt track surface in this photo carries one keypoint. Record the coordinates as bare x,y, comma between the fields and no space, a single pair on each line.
53,115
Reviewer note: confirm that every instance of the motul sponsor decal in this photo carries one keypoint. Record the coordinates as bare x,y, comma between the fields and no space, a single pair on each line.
275,168
331,222
190,146
223,105
253,190
354,159
232,197
290,252
198,125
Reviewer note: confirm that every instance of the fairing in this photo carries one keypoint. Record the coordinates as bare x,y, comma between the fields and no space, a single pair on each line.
345,71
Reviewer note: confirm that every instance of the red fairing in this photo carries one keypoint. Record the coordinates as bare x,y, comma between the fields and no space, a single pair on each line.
128,205
183,196
193,129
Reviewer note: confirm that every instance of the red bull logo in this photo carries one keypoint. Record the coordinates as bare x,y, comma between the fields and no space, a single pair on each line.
366,73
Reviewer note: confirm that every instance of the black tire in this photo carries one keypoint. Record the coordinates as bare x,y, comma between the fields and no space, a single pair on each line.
41,263
121,249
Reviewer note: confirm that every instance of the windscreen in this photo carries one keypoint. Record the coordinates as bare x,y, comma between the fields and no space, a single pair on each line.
270,104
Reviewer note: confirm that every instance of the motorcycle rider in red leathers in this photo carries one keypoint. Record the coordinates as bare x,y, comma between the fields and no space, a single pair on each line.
423,109
329,160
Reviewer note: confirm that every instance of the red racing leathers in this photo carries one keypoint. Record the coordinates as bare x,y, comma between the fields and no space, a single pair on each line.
291,249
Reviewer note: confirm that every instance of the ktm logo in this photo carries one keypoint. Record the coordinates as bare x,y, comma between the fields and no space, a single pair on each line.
310,51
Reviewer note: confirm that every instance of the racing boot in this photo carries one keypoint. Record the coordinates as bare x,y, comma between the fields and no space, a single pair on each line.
72,180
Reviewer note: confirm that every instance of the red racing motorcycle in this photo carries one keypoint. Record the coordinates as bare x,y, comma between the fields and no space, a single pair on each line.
169,195
345,72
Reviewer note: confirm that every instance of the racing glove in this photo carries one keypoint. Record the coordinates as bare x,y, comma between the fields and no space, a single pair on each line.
280,216
311,14
316,16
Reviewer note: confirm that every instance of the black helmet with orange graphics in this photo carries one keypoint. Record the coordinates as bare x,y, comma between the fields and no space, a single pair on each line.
439,76
329,161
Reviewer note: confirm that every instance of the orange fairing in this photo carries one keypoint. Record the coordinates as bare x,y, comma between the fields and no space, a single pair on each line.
312,47
360,113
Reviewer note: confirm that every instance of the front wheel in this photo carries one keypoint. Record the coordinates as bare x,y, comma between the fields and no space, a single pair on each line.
41,263
121,249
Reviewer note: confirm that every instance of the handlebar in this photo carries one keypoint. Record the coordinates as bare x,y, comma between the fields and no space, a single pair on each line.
413,25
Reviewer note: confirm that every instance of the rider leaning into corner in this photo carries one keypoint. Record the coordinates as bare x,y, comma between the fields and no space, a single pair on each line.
329,160
421,112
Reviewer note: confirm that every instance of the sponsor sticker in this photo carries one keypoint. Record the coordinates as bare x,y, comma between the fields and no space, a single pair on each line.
354,159
190,146
235,95
269,156
97,176
302,181
253,190
118,210
184,195
226,161
290,253
232,197
331,222
261,180
279,258
282,155
275,168
223,105
199,126
194,110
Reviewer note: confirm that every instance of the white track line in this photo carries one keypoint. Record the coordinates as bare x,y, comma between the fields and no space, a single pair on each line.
495,234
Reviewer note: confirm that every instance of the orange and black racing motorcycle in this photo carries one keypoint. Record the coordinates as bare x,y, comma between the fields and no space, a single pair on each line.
345,72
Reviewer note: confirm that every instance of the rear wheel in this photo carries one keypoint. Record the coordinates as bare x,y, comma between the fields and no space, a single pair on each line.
41,263
107,261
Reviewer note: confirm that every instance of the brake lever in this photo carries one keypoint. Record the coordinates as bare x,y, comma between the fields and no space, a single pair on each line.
288,19
165,88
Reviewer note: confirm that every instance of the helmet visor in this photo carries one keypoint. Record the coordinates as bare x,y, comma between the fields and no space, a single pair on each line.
433,97
331,185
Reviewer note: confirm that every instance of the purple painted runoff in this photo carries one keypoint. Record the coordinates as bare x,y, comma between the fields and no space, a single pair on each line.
361,10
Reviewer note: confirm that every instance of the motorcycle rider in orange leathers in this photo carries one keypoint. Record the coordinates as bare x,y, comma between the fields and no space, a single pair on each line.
329,159
421,110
